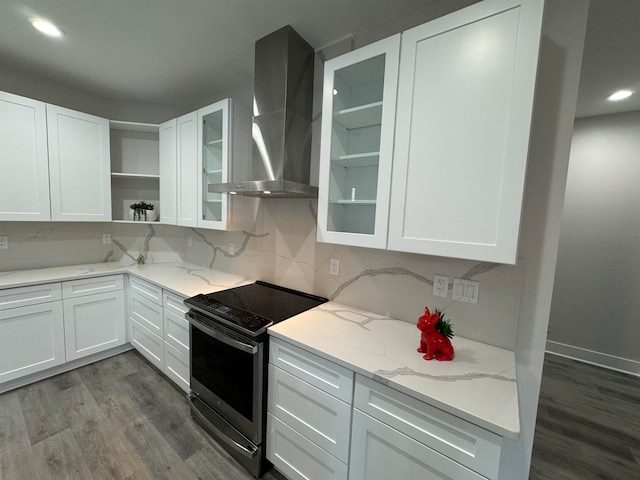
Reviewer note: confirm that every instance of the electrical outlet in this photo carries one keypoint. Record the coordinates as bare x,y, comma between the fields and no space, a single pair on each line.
106,239
232,249
441,285
465,290
4,242
334,267
189,242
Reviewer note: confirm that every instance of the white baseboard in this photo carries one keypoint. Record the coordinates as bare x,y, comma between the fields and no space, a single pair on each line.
599,359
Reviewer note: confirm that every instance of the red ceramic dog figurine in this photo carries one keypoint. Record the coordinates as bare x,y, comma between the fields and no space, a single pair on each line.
432,342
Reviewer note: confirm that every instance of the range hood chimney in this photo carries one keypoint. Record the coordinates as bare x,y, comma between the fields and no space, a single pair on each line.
282,112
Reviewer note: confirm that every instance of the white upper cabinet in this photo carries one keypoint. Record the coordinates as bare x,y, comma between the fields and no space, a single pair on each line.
24,181
79,166
168,172
356,149
187,162
213,163
465,101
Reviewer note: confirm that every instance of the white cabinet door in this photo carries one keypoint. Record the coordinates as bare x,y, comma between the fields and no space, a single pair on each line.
79,166
187,161
299,458
31,339
356,149
465,100
24,181
214,123
94,323
378,452
168,172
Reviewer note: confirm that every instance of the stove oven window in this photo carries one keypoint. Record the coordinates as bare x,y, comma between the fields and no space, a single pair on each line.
225,371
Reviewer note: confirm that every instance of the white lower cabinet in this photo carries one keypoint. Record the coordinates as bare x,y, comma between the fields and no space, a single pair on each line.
176,367
298,457
379,452
320,426
94,323
148,344
94,315
31,339
159,330
309,414
176,340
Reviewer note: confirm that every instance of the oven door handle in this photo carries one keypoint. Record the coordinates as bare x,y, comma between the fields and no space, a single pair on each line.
245,347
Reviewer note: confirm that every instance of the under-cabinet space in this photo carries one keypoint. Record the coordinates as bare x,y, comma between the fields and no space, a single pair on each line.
135,167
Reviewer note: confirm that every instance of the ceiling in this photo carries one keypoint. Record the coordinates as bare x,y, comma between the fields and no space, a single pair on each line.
177,52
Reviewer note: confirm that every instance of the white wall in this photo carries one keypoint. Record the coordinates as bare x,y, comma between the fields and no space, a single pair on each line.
556,93
595,314
51,91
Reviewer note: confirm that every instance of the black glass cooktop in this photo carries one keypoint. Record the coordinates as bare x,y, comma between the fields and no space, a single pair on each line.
254,307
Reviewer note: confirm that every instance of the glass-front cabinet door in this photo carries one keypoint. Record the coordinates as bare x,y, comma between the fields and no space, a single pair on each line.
356,149
213,162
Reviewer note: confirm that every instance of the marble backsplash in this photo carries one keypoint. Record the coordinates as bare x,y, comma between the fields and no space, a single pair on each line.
282,249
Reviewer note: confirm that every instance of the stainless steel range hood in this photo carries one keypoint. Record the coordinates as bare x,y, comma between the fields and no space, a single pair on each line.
282,111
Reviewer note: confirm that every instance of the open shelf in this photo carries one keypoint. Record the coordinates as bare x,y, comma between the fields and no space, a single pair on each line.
361,116
133,126
356,160
353,202
135,175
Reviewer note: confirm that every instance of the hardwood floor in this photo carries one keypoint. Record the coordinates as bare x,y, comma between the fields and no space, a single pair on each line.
588,423
121,419
114,419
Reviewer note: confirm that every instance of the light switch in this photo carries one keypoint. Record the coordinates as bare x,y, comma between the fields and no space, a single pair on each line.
4,242
465,290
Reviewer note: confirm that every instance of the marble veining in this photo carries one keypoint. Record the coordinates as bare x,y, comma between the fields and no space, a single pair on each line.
479,385
443,378
123,249
43,233
474,271
239,251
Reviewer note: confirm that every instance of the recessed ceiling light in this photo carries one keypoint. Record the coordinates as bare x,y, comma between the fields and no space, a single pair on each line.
46,27
620,95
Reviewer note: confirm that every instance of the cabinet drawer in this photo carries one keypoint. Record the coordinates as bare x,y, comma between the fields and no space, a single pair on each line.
176,332
323,374
459,440
148,344
174,303
378,452
297,457
146,312
145,289
31,295
320,417
176,367
89,286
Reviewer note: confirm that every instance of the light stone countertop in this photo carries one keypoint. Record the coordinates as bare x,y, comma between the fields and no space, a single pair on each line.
180,278
479,385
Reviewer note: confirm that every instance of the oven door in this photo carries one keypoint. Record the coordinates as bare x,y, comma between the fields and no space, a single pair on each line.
227,373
